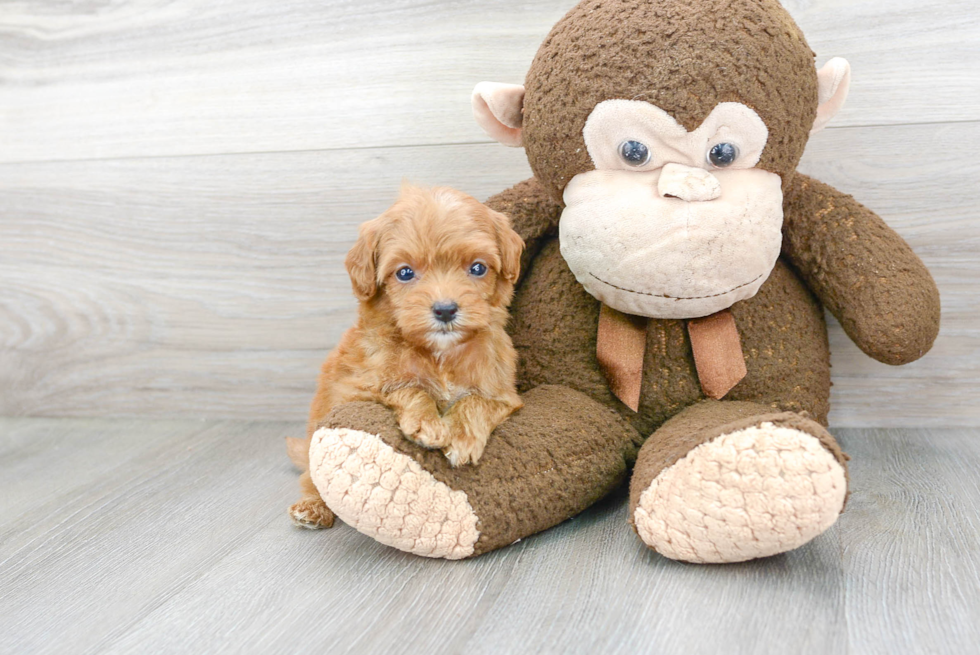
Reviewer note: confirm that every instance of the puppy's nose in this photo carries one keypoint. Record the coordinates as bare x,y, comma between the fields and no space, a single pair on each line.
445,311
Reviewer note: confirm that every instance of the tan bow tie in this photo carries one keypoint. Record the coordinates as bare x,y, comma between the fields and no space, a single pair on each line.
622,340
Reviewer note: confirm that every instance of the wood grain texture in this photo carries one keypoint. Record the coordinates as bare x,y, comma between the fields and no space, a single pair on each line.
214,286
183,178
205,286
171,537
107,79
917,178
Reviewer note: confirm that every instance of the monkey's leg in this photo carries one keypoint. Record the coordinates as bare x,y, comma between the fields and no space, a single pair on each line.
549,461
732,481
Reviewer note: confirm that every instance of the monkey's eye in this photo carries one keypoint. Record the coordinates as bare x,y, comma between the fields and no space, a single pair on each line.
478,269
722,155
634,153
405,274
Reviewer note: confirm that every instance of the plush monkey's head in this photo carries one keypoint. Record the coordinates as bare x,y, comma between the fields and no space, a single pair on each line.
668,129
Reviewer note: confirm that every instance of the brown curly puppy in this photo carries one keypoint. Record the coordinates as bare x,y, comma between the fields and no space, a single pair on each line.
434,275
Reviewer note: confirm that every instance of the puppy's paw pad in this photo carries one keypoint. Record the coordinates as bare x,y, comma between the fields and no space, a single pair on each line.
311,515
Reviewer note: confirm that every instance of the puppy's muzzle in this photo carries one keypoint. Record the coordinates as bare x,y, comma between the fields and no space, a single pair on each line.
445,312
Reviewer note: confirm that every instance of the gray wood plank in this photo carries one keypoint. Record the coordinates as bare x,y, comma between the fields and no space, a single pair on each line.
187,548
86,564
214,286
293,591
146,78
209,286
909,541
894,171
75,456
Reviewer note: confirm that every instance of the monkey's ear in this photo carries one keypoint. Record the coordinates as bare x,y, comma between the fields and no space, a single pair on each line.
833,81
361,260
498,109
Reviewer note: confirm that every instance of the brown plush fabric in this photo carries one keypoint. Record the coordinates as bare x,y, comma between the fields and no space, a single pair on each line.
685,57
784,342
552,459
534,214
705,421
864,273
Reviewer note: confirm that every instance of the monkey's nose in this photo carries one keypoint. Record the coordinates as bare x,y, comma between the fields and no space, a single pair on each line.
445,311
687,183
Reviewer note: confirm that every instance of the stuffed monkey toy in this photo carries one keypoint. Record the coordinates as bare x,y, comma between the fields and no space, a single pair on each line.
669,320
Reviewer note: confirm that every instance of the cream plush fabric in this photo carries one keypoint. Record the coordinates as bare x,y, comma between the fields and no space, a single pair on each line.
750,493
389,497
664,257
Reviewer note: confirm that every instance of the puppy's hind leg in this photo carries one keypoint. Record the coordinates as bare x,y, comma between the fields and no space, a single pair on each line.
310,512
298,451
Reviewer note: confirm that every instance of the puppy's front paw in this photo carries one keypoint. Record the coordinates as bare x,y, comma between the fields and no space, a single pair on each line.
465,449
410,424
432,433
311,514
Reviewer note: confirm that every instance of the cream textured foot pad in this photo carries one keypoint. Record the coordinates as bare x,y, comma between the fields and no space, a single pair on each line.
750,493
389,497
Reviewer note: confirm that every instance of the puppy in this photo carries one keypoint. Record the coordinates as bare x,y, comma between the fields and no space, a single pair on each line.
434,275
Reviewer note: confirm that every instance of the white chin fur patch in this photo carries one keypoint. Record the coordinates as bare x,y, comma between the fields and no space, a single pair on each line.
389,497
441,340
664,257
747,494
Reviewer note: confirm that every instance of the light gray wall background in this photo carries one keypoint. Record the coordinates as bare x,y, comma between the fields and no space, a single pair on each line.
180,180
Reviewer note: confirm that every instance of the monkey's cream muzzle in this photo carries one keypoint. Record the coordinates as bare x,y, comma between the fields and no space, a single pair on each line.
672,242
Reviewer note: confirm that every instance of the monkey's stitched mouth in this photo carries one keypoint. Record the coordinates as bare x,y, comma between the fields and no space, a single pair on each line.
656,295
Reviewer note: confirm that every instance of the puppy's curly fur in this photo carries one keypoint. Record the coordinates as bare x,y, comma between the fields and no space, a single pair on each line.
434,275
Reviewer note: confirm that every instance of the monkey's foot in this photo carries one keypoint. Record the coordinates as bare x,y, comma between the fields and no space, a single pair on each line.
762,487
389,497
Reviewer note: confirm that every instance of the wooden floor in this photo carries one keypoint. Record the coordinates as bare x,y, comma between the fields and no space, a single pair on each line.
128,536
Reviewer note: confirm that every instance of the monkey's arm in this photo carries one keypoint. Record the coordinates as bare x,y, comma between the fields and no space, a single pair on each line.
533,212
862,271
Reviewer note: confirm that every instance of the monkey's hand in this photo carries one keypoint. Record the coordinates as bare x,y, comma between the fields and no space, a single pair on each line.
862,271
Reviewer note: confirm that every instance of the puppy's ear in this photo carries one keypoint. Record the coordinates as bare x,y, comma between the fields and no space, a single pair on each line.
510,244
361,262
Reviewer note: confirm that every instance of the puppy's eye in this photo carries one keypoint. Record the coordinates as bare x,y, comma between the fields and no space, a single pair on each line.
405,274
478,269
634,153
722,155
